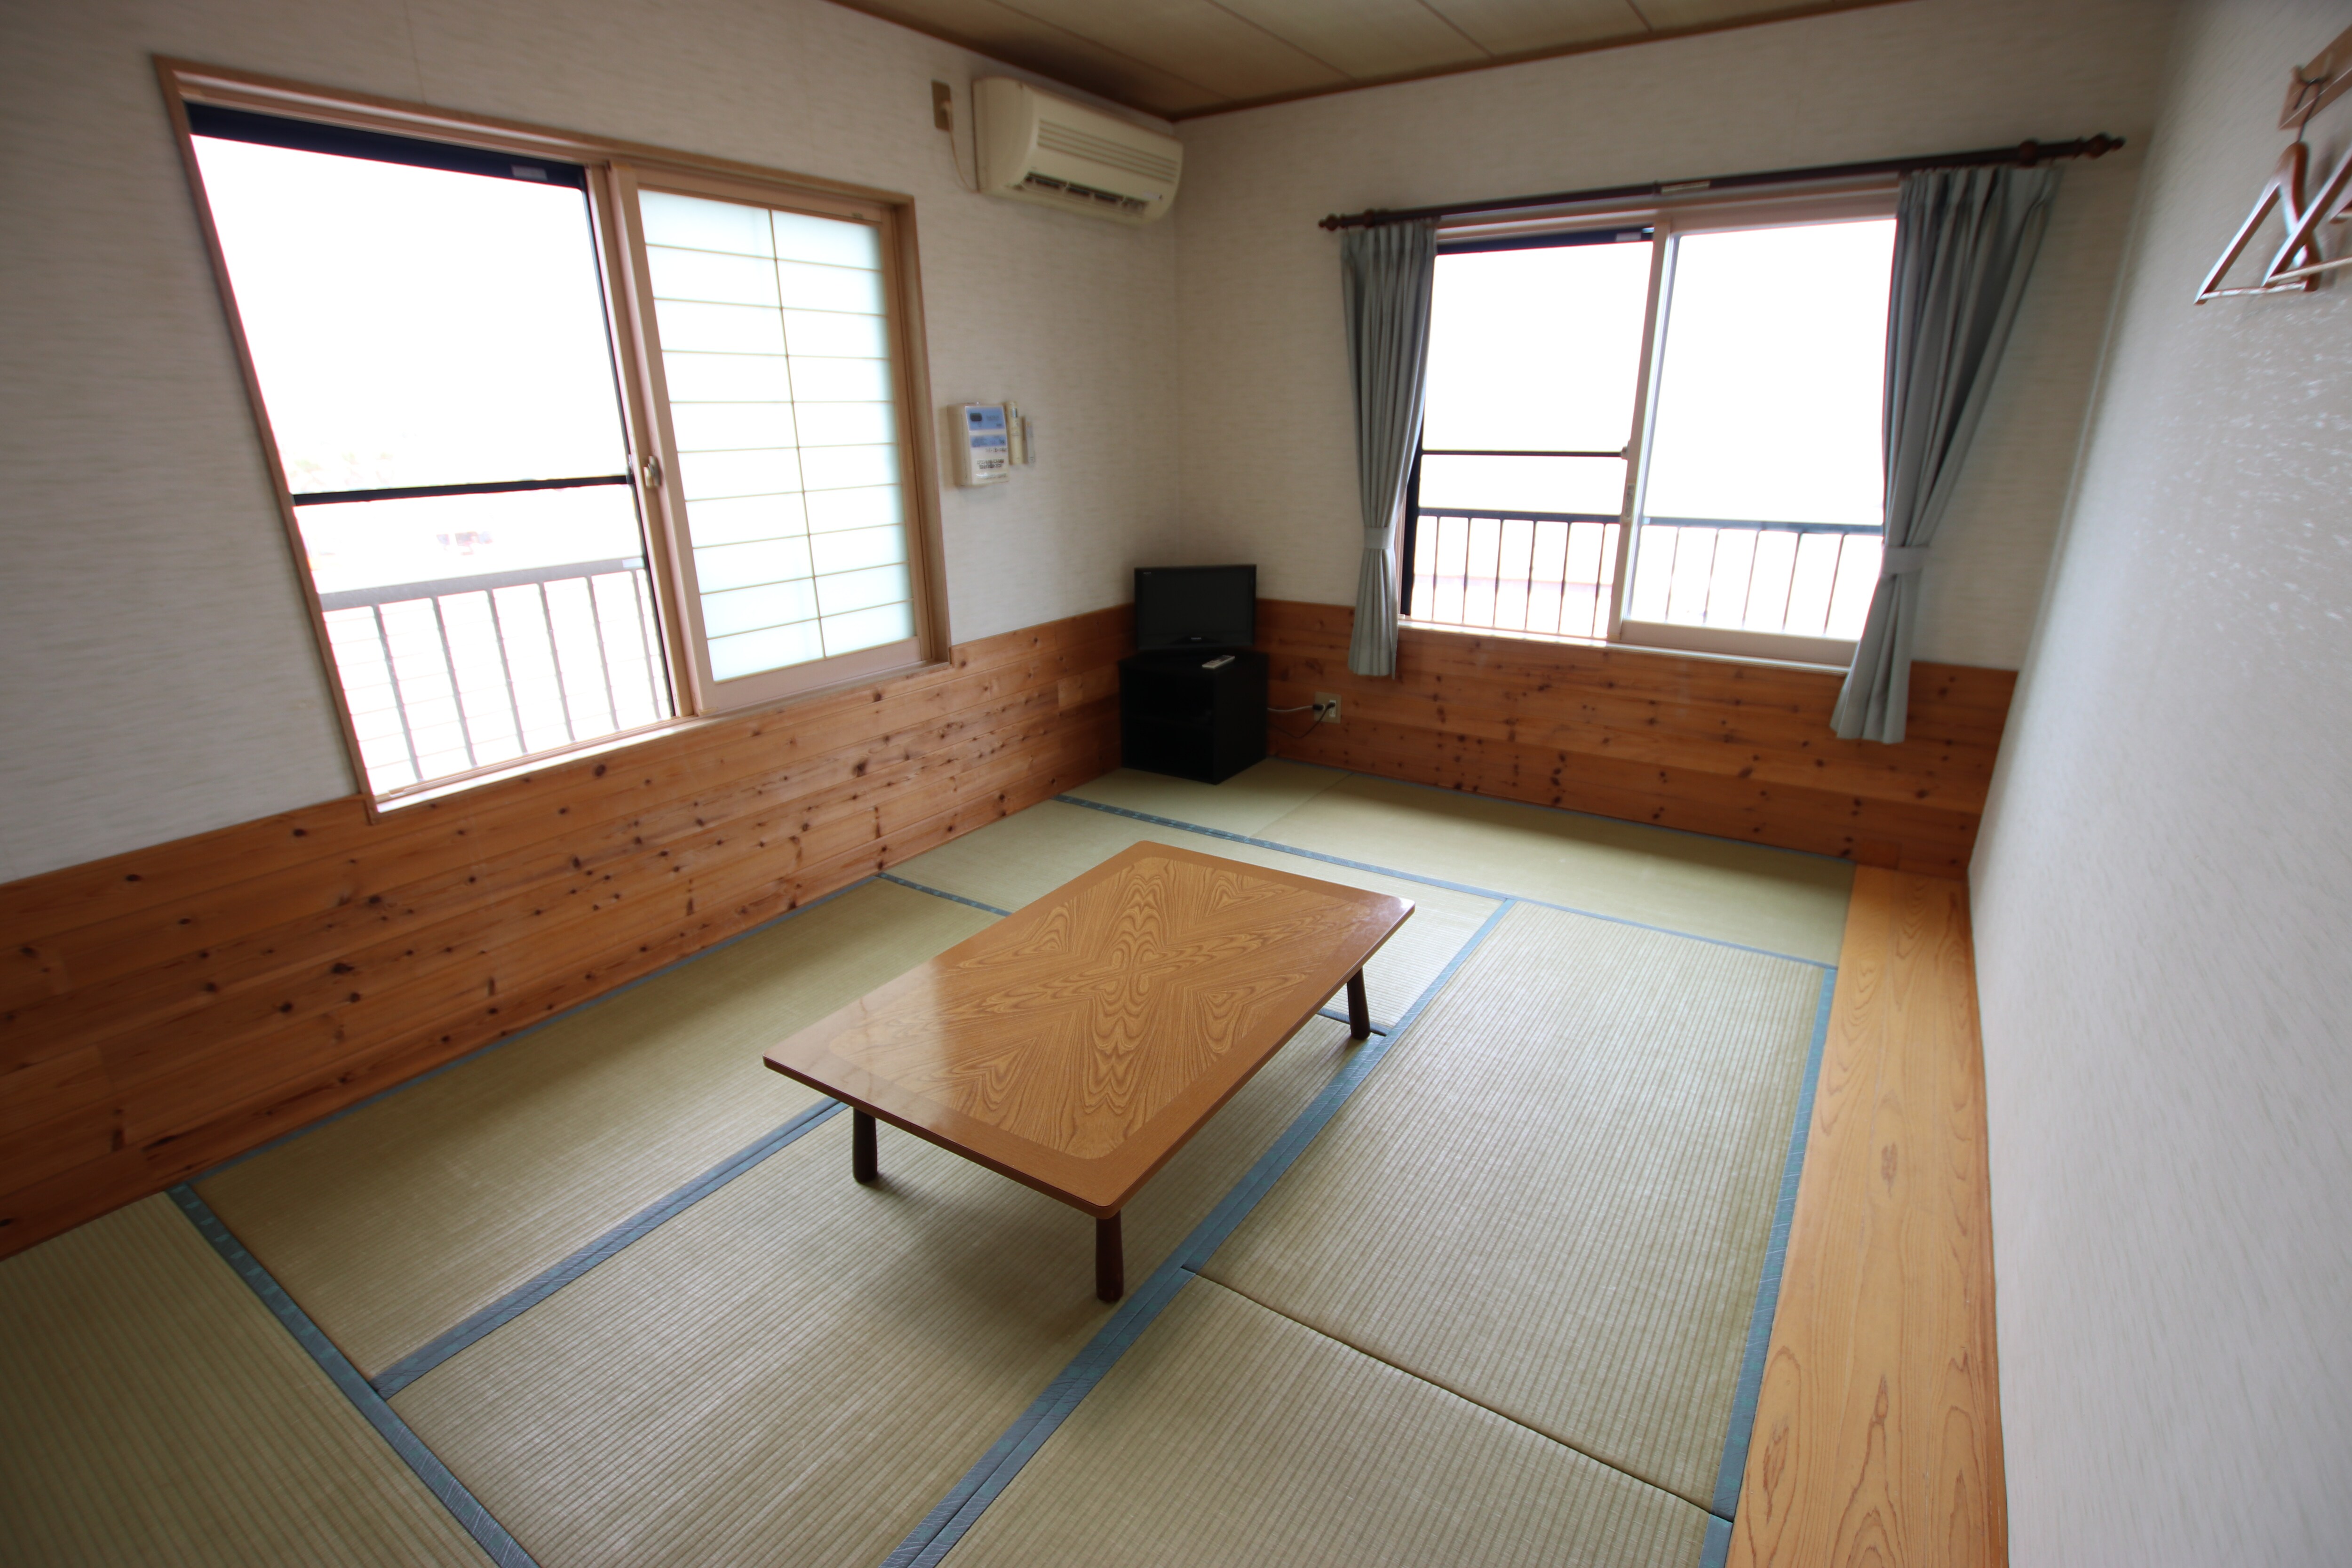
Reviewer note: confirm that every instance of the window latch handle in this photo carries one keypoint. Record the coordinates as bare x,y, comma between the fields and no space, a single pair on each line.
651,467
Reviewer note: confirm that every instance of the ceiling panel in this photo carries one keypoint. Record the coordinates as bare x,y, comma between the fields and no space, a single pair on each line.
991,28
1367,39
1182,57
1516,27
1665,15
1196,39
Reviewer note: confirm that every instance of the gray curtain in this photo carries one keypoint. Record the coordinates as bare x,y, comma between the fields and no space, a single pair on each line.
1965,240
1386,274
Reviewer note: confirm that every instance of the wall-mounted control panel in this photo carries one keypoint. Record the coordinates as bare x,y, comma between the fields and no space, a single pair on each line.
983,444
991,440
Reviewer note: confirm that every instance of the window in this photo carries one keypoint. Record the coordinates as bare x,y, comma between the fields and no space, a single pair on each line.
573,446
775,367
1663,431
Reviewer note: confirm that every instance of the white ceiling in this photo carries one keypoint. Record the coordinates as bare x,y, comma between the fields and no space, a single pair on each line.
1182,57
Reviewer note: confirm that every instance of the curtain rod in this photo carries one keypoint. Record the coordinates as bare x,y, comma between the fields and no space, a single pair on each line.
2025,155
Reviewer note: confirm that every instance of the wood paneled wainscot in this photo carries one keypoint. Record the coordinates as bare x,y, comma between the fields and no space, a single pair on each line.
167,1008
1740,751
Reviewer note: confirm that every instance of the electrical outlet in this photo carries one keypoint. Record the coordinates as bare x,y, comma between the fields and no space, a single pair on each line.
1327,708
942,107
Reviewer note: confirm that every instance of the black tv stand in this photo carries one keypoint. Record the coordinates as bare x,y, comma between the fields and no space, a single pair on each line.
1177,718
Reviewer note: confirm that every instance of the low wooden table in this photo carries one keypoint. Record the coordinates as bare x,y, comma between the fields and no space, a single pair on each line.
1077,1044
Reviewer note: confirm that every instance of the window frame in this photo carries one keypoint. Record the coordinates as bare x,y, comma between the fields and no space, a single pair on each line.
1667,221
616,169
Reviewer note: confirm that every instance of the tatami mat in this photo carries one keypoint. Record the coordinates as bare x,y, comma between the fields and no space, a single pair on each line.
797,1368
1244,804
1232,1438
1012,862
152,1410
397,1221
1771,899
1554,1196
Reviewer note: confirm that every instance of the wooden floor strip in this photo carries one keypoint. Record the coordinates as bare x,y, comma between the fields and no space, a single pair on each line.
1877,1436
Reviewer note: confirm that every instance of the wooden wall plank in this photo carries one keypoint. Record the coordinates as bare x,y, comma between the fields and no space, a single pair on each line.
196,996
172,1006
1740,751
161,875
1877,1436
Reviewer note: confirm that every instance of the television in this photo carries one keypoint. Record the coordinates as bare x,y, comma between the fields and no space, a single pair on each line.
1195,606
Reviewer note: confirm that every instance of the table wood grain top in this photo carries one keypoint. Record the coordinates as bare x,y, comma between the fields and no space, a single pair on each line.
1077,1044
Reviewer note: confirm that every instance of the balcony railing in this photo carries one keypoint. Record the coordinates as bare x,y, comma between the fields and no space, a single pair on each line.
1544,571
1553,574
460,673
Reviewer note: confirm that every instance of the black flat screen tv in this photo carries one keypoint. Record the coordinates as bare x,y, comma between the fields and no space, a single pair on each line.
1195,606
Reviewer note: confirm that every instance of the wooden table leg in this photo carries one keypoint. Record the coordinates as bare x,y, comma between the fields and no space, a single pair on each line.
1360,1008
865,1160
1110,1260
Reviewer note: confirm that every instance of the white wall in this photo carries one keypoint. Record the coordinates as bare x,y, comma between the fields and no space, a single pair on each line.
1268,458
161,678
2163,896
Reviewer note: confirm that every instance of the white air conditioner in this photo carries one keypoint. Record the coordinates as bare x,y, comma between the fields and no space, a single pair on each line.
1039,148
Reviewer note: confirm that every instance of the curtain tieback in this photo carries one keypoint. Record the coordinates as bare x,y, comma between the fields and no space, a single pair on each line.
1902,560
1376,539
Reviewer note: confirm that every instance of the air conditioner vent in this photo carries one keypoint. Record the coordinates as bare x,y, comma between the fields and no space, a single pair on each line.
1085,193
1053,136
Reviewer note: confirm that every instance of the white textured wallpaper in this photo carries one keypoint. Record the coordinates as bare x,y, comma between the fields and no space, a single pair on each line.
2163,896
161,678
1269,453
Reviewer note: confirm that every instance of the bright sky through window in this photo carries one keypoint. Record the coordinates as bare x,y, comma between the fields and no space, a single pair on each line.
1759,497
1771,386
473,302
417,326
1534,349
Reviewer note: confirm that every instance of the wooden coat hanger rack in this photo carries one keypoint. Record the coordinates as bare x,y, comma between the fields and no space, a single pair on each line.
2298,263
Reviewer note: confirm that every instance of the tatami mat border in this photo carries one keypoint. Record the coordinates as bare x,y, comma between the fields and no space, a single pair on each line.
463,1506
969,1496
964,1503
1768,1287
942,893
1331,1013
1571,811
1436,882
598,1000
531,1293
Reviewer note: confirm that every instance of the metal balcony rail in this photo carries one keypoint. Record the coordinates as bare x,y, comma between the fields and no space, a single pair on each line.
1553,574
1548,573
457,673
